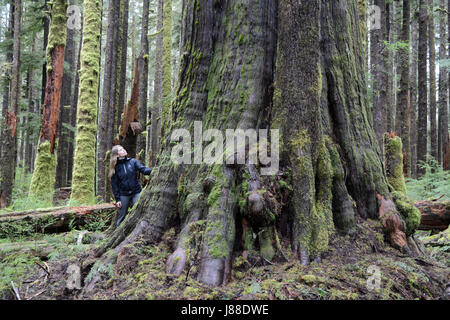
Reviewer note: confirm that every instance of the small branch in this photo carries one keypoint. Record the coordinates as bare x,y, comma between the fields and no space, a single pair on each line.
42,267
16,291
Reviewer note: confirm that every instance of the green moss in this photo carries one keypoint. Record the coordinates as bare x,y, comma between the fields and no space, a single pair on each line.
408,211
43,180
57,30
394,163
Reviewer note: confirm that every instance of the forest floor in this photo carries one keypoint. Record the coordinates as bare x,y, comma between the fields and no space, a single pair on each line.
347,271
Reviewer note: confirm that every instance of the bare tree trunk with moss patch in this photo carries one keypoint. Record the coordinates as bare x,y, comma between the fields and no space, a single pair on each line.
239,69
66,102
83,176
9,133
43,180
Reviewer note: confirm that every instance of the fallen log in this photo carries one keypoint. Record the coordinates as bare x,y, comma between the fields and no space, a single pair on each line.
53,220
435,215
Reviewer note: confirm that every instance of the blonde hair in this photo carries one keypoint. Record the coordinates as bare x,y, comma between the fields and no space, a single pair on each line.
113,160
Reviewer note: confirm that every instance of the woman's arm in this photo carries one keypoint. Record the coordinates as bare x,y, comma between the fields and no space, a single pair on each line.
141,168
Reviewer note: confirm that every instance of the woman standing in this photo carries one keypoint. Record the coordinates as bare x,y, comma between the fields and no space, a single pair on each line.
123,176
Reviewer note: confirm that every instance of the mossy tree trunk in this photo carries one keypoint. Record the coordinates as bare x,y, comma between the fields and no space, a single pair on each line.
43,180
239,69
84,160
66,102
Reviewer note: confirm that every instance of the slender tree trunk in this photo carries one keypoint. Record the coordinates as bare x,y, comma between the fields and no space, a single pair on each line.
73,110
403,100
9,134
43,180
443,85
247,78
157,88
83,176
66,102
143,80
390,95
109,85
123,64
413,91
166,94
46,23
379,76
422,91
432,70
31,107
6,83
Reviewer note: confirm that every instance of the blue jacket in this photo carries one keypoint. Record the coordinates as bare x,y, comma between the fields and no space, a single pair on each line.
125,181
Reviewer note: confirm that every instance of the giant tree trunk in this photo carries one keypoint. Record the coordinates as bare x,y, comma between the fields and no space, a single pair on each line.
43,179
317,101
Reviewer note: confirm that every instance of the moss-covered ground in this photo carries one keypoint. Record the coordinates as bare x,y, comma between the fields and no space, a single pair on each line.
345,272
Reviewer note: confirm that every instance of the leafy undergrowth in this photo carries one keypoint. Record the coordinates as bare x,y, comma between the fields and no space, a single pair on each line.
348,271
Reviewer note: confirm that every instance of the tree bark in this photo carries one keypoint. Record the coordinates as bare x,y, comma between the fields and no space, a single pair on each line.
239,69
435,215
432,70
443,85
43,180
9,134
73,111
66,102
422,91
157,87
53,220
378,59
143,81
403,99
108,98
83,176
413,91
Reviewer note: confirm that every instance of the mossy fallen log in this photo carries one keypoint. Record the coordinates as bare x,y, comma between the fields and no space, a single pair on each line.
435,215
54,220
